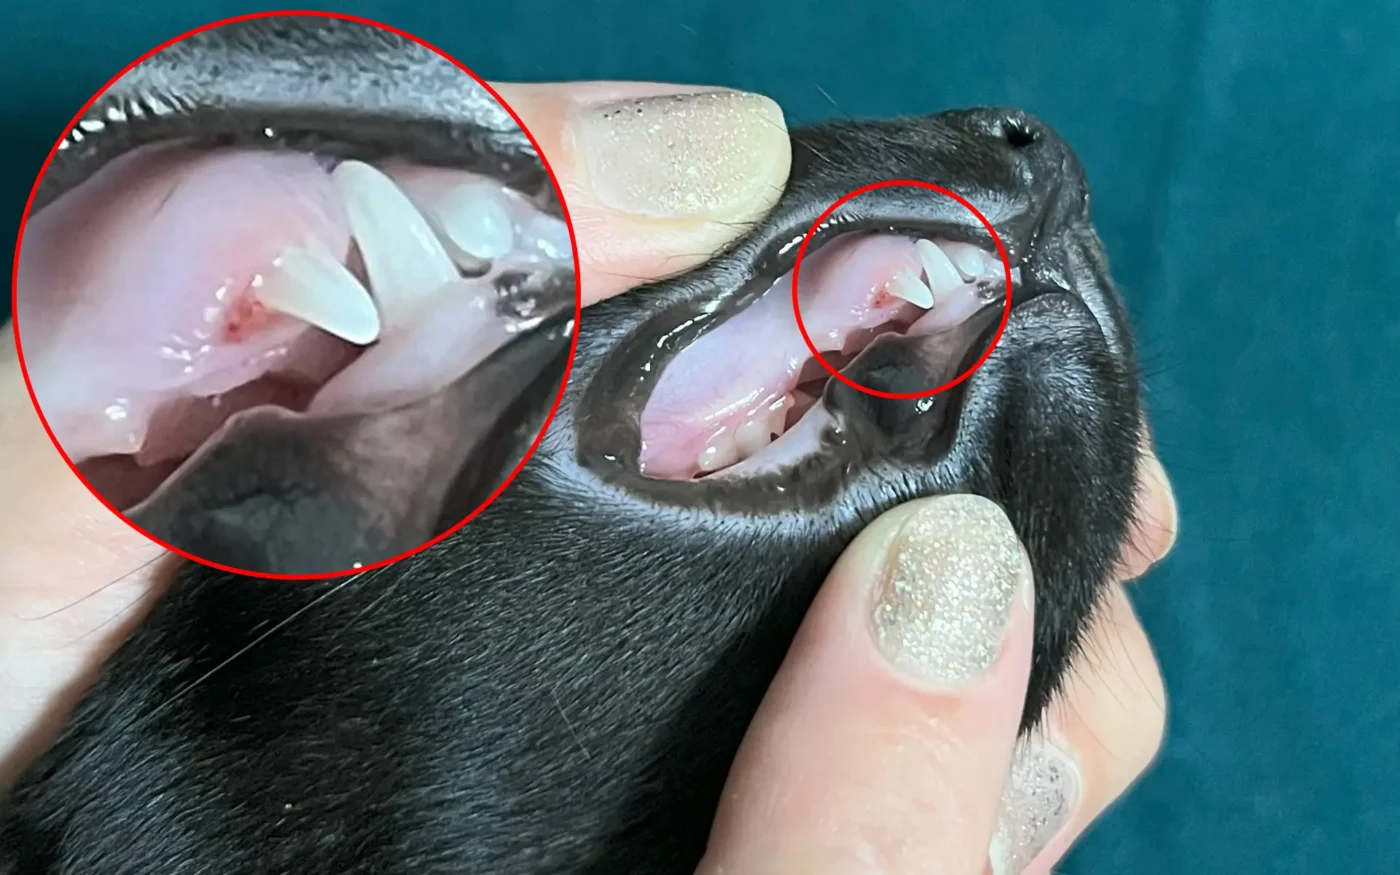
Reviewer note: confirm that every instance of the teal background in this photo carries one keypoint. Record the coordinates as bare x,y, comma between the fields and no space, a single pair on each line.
1246,162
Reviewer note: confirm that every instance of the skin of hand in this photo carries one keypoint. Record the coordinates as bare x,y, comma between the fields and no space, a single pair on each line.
858,748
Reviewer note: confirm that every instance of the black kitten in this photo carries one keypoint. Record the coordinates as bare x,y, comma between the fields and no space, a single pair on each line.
561,686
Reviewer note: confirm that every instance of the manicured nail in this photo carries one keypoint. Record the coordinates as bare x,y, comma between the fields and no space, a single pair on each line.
1038,800
705,155
951,576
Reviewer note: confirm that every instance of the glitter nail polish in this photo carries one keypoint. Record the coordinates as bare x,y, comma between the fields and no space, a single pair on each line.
1039,798
950,579
704,155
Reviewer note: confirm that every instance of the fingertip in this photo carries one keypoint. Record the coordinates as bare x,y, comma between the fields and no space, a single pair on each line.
1155,521
1102,735
656,177
898,706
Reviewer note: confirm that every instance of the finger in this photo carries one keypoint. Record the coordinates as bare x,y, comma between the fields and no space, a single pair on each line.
1098,739
656,178
885,740
73,576
1153,529
1107,725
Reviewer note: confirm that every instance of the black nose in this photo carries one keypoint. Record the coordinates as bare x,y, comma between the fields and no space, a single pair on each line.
1020,132
1017,129
1045,161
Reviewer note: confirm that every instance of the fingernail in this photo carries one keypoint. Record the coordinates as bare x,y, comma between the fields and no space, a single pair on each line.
951,575
704,155
1039,798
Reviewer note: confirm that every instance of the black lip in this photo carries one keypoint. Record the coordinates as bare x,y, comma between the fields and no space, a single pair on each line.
367,137
304,81
1032,192
777,260
610,429
785,257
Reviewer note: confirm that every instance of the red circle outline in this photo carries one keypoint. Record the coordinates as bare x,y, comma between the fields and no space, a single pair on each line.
797,307
563,382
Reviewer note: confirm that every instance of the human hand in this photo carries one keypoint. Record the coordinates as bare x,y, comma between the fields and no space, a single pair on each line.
62,610
657,178
650,196
886,741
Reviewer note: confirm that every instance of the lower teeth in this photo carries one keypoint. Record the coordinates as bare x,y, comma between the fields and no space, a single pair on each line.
752,437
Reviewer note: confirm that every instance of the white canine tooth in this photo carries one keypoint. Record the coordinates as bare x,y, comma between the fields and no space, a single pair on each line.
404,259
911,289
753,436
313,286
473,219
941,273
721,453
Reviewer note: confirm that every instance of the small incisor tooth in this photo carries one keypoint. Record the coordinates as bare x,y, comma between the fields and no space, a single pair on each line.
721,453
939,269
313,286
476,222
753,436
777,422
911,289
970,261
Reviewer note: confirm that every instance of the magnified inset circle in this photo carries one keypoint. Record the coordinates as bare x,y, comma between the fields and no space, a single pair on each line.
300,311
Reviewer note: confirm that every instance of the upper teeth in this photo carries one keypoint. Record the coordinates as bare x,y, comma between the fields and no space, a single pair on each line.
945,268
938,268
911,289
415,237
312,285
404,259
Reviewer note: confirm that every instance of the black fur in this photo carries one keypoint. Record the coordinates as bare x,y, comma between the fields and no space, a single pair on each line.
560,686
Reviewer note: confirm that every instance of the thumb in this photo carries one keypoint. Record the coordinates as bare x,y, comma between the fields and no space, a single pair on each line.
886,739
656,178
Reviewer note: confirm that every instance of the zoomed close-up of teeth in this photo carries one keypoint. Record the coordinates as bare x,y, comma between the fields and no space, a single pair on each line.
195,293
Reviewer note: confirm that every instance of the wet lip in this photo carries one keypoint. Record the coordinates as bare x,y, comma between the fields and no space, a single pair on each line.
608,422
725,422
786,256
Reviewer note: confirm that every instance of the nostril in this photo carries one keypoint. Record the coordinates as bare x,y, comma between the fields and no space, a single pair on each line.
1017,133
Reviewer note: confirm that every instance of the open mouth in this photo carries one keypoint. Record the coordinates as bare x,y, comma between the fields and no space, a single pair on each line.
181,285
745,397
